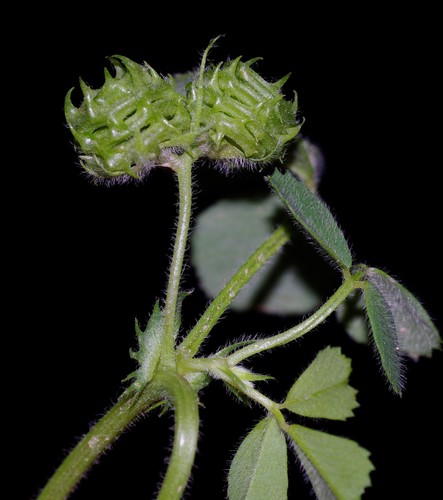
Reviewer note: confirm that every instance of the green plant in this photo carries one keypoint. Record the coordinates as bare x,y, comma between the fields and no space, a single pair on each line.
229,114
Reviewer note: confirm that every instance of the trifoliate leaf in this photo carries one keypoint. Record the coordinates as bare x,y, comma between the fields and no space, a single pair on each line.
259,468
338,468
416,333
313,215
352,316
226,234
384,333
322,390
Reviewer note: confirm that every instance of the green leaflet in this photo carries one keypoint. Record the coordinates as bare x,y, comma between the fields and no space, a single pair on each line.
313,215
338,468
259,468
226,234
416,333
384,333
322,390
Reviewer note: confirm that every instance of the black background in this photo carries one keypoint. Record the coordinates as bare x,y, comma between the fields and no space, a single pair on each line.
86,260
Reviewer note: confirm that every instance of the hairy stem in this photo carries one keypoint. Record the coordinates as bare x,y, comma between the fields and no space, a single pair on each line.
94,443
185,403
189,347
348,285
220,369
183,170
246,389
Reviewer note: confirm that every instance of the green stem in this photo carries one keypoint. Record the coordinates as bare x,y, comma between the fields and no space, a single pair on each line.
94,443
185,404
249,391
183,168
220,368
189,347
299,330
223,371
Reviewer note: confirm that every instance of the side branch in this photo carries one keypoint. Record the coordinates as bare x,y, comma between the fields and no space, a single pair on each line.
218,306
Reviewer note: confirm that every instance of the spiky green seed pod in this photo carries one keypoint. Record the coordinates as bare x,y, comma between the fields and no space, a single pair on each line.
247,118
123,128
227,113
